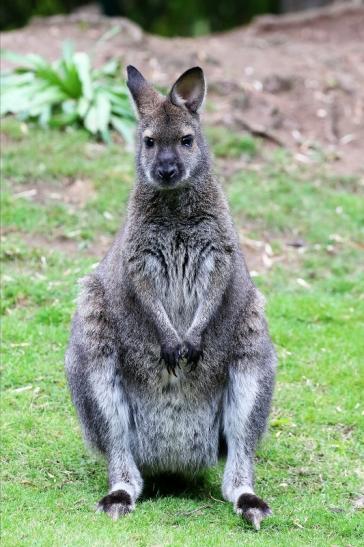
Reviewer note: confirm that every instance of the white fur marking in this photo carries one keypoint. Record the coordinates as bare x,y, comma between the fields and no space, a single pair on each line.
243,391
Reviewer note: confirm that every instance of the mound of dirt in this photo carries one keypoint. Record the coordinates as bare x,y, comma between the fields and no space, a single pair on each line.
295,80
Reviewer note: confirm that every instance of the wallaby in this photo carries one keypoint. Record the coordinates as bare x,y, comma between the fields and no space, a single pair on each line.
170,355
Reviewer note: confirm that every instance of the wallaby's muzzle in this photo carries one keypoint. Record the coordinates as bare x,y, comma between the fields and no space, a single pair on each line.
167,172
167,169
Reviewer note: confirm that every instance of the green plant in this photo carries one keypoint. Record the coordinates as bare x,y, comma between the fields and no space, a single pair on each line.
67,92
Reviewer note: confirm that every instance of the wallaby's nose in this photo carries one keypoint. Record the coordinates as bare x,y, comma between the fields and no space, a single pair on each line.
166,165
166,172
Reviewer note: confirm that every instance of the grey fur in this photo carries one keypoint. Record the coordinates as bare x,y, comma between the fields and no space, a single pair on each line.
169,349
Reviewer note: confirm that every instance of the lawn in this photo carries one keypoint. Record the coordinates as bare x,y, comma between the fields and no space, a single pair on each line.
303,231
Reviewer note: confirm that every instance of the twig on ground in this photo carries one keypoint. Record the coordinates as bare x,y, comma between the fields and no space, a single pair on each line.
188,513
215,499
259,131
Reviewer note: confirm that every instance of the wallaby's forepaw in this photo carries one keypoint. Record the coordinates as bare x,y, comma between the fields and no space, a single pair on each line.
253,509
117,504
171,356
192,354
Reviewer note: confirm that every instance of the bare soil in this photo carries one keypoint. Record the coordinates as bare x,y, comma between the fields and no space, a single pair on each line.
68,246
296,80
73,192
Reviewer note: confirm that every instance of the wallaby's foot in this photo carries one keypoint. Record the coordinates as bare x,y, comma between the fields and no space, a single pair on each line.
117,504
253,509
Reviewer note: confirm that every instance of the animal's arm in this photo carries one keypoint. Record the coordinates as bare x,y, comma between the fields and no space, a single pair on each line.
146,293
147,296
218,282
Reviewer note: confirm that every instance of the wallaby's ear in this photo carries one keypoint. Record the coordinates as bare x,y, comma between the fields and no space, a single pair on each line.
189,90
145,98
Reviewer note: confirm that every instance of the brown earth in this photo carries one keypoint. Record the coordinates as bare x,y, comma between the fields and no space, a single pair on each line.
297,80
73,192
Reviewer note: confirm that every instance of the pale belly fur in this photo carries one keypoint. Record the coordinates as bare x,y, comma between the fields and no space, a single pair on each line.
171,432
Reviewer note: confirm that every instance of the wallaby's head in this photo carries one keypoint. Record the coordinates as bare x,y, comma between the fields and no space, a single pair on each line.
170,148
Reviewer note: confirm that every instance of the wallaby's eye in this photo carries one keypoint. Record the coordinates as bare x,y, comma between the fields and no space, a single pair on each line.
187,140
149,142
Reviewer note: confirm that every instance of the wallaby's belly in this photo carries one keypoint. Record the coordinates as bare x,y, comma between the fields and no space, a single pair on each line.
169,432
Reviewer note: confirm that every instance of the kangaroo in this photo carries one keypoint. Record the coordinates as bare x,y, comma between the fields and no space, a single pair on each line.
169,354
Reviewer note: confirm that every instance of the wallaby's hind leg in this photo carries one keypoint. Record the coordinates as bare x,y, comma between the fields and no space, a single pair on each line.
99,397
246,407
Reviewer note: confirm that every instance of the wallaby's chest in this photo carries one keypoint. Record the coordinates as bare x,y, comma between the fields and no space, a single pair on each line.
180,265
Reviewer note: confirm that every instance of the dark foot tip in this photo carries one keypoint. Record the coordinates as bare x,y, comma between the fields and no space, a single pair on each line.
251,501
253,509
116,504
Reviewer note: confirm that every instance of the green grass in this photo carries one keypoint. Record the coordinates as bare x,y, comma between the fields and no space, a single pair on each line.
309,467
232,145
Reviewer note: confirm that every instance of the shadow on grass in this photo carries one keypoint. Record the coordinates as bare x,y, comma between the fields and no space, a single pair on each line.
194,487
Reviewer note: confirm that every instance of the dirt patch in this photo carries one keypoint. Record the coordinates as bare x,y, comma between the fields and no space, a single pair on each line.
261,257
79,192
297,80
75,194
68,246
72,192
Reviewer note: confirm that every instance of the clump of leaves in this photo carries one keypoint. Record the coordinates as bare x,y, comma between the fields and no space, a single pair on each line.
68,92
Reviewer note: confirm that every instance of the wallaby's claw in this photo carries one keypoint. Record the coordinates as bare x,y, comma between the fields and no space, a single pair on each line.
171,370
170,356
253,509
193,354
